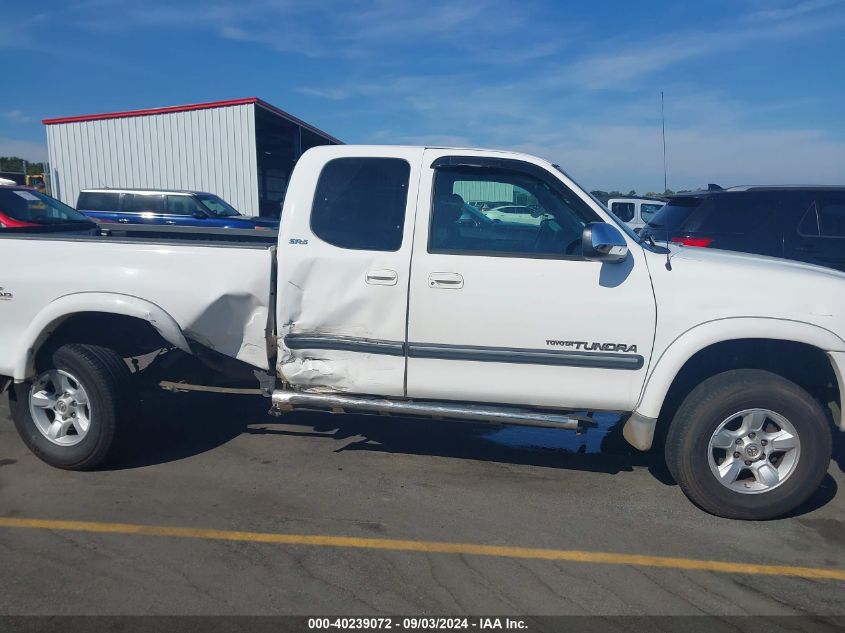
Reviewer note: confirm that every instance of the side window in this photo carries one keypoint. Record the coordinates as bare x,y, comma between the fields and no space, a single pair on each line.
141,203
520,215
623,210
831,216
360,203
184,205
648,211
98,201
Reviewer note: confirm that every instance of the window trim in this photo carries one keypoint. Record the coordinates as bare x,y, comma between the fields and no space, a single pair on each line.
815,205
365,158
504,164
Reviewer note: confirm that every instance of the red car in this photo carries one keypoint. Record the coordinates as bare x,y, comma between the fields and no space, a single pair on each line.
26,208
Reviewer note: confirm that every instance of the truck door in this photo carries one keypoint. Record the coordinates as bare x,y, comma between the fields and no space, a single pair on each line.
511,312
343,269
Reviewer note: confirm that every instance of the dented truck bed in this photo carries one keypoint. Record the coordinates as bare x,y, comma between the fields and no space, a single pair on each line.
214,293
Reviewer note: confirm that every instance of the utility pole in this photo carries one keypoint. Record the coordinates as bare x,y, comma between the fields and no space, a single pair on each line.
663,125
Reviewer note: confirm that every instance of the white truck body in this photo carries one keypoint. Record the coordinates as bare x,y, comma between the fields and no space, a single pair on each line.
413,324
218,296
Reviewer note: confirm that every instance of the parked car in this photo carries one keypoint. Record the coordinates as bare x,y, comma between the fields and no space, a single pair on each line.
373,300
170,207
517,214
25,208
635,212
802,223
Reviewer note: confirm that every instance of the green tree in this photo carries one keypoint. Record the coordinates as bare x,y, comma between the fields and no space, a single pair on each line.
15,163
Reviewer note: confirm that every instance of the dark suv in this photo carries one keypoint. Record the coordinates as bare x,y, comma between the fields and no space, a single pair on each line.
802,223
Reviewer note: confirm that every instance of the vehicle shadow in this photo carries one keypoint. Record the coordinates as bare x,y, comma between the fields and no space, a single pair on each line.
176,426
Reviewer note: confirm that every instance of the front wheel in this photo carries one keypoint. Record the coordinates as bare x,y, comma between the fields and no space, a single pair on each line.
748,444
67,415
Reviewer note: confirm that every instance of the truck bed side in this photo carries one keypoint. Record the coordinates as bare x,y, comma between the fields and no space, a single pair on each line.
218,294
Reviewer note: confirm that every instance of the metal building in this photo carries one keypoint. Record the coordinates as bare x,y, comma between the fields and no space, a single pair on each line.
242,150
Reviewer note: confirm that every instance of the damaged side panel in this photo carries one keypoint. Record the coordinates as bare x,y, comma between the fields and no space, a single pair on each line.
336,332
219,296
342,311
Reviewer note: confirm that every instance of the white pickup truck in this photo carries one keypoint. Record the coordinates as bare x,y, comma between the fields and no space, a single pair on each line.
383,295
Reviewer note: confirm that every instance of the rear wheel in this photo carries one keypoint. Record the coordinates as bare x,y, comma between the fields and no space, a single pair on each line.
748,444
68,414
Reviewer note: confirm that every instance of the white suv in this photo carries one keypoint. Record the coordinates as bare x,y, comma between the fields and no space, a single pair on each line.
635,212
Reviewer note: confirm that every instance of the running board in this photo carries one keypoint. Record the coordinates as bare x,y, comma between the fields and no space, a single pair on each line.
284,401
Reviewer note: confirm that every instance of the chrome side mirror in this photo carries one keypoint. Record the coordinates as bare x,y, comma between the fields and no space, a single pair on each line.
603,242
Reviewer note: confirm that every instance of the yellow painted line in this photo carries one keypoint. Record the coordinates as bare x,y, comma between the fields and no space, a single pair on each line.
429,547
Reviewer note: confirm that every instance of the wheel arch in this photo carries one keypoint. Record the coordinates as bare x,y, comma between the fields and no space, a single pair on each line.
732,344
86,304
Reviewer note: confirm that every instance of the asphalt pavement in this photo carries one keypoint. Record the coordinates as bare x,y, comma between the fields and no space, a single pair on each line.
319,514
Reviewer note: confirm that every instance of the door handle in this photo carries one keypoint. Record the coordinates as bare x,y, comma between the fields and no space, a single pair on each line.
384,277
450,281
123,221
169,222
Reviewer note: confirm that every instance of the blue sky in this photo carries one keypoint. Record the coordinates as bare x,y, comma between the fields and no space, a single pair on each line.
755,89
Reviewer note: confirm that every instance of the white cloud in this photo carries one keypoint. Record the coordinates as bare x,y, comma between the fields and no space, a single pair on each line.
626,65
16,116
333,94
630,157
785,13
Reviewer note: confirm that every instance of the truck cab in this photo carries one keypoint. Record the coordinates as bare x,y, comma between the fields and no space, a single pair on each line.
425,306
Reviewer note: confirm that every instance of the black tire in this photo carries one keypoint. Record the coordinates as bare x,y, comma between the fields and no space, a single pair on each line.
718,398
106,379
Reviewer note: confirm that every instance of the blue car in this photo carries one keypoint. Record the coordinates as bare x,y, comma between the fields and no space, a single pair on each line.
174,208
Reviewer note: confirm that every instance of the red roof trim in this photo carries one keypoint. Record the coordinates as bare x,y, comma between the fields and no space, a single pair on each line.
148,111
188,108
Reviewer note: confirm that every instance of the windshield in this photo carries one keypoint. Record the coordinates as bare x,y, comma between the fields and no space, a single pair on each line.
217,206
620,224
25,207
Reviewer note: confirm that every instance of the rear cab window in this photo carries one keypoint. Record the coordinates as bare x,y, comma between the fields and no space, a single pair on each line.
360,203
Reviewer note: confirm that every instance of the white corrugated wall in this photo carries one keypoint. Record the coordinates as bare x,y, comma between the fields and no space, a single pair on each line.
207,150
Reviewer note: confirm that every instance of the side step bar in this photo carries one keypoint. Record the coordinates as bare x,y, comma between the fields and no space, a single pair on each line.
284,401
